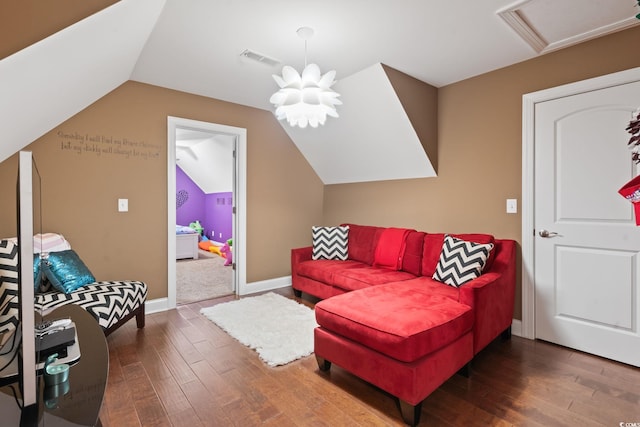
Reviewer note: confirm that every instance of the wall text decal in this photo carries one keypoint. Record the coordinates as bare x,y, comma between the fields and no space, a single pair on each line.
107,145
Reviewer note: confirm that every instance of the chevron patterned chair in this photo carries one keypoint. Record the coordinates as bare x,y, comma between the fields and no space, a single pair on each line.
111,303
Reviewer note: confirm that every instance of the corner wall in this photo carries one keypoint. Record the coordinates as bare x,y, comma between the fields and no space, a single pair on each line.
25,22
117,148
479,149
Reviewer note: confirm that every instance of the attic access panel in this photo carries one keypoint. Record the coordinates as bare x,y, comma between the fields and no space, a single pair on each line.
548,25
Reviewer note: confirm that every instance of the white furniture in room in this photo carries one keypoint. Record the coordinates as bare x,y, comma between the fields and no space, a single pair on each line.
187,246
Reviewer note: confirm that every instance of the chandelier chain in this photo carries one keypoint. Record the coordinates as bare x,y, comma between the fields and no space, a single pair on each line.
305,53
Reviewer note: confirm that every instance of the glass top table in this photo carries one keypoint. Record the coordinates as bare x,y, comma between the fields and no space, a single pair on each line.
78,401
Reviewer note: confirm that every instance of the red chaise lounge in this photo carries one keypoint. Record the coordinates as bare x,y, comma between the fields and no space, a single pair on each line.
396,326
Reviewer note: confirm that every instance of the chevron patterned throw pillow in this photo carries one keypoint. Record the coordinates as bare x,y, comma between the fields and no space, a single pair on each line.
330,242
461,261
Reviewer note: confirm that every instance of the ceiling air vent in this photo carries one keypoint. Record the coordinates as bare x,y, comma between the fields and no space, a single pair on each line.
263,59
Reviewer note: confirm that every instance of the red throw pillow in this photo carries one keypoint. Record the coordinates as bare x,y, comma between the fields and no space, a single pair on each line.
363,240
412,261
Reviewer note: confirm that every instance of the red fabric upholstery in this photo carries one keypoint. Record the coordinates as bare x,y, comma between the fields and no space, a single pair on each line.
492,295
433,246
400,329
324,270
412,381
390,248
402,320
363,240
363,277
433,287
412,260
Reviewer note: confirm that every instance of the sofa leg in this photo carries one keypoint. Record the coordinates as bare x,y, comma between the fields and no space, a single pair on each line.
323,364
410,413
297,293
506,334
140,317
465,371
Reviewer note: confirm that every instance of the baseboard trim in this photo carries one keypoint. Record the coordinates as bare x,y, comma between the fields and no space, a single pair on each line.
156,305
516,327
162,304
266,285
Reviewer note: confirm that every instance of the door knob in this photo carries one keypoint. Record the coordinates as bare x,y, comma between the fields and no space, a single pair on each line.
547,233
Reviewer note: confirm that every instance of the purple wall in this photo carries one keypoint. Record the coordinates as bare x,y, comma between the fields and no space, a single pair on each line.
190,200
219,207
214,211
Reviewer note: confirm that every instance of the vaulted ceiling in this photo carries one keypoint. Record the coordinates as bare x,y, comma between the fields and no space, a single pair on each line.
196,46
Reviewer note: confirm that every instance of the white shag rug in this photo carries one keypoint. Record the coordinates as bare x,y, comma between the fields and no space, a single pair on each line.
278,328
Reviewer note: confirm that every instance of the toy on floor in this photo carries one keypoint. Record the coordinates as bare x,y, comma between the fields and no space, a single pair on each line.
195,225
226,250
208,245
205,243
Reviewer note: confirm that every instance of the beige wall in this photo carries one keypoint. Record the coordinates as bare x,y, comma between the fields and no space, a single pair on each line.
479,148
24,22
420,102
478,163
81,187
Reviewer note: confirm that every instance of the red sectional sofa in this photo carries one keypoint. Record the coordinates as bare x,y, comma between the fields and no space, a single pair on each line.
385,319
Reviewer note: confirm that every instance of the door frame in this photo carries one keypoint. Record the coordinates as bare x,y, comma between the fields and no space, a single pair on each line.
239,197
529,102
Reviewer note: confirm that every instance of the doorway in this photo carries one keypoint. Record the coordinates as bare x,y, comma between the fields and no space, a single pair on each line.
581,248
228,135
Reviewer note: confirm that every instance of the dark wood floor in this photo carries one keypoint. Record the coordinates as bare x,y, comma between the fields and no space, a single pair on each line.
182,370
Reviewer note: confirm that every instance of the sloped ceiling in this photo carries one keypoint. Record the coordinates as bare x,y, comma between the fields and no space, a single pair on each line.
52,80
373,139
206,158
196,46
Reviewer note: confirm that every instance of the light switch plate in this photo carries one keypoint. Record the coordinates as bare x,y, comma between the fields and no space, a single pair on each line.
123,205
512,205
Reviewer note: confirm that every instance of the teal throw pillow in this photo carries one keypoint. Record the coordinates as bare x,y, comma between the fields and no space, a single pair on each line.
66,271
37,272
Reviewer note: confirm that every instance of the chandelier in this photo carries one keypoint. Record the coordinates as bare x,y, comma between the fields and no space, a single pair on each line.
307,98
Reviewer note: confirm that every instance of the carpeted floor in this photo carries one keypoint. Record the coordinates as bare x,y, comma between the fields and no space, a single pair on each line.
204,278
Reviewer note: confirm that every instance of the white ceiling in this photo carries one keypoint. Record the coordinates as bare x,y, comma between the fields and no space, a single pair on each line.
207,158
373,140
48,82
195,46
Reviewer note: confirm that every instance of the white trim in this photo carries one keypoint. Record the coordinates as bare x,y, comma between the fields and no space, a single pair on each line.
267,285
528,291
156,305
516,328
240,198
514,17
529,102
162,304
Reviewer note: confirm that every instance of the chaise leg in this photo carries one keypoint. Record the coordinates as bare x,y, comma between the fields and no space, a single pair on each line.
140,317
465,371
506,334
410,413
323,364
297,293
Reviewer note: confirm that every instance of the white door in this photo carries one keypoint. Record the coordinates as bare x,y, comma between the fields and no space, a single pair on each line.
587,268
